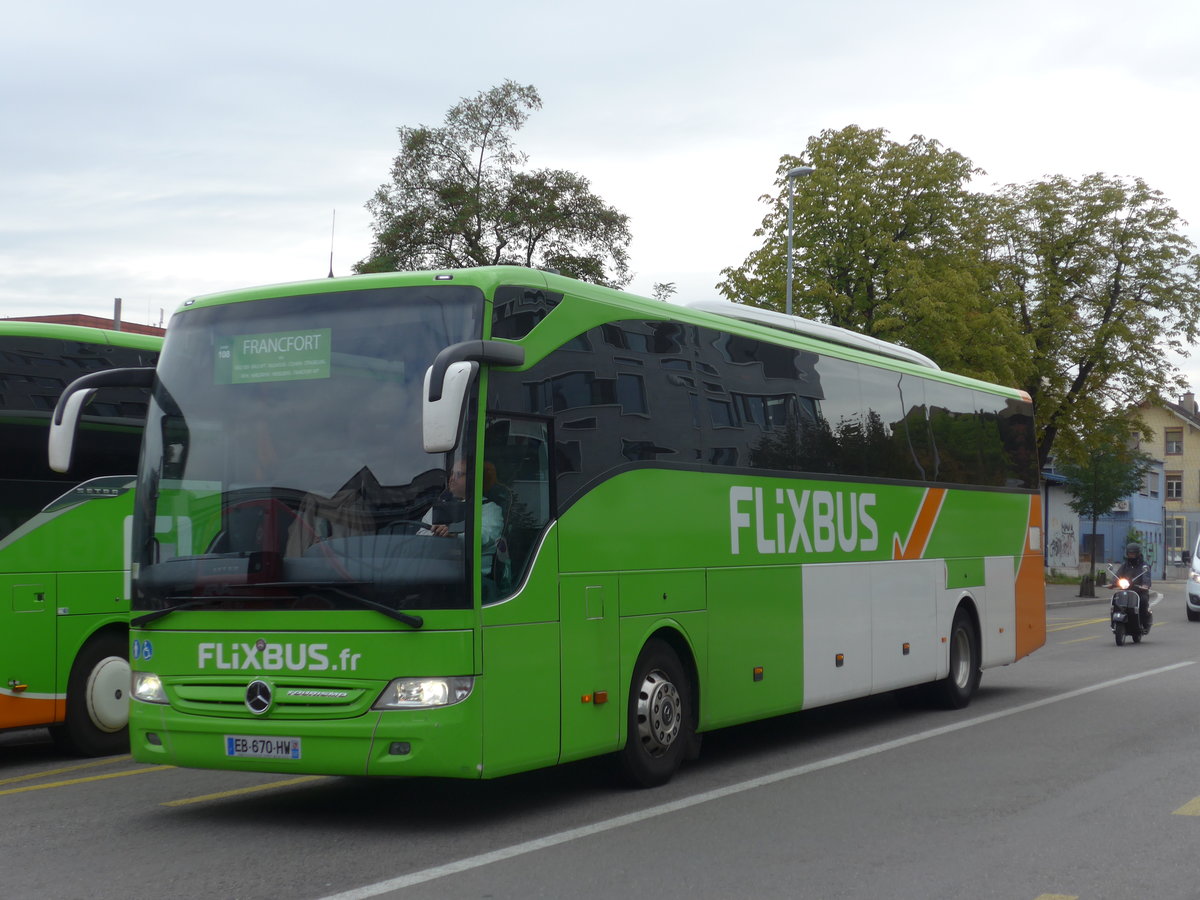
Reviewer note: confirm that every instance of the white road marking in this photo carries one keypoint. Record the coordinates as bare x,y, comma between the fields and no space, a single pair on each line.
574,834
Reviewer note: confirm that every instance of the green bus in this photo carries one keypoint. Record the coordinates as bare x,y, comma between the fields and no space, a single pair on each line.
64,570
469,523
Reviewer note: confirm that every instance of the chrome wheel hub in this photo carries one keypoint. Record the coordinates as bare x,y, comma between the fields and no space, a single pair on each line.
960,658
658,713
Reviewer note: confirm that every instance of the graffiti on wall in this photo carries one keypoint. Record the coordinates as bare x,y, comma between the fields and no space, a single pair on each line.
1062,548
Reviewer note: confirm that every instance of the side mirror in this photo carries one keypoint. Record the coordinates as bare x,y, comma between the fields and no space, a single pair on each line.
441,418
447,382
62,430
65,420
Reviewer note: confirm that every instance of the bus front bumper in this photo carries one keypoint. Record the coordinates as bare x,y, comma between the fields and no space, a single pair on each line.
442,742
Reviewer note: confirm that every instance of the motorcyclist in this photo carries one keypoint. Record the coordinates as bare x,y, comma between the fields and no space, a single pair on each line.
1137,570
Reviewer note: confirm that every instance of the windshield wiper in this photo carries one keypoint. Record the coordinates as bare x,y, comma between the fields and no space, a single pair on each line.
406,618
159,613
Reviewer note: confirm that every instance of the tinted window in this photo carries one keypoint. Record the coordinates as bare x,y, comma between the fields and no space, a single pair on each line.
712,399
516,310
33,373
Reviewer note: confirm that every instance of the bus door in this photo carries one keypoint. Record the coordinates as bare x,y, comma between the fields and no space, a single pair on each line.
521,637
28,622
517,477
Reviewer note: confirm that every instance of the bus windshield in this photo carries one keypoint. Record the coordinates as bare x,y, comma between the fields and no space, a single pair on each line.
283,462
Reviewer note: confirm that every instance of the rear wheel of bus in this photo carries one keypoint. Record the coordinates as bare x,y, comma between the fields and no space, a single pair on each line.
97,721
956,689
661,717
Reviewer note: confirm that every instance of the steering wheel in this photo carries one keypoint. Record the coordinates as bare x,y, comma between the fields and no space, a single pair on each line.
273,504
395,526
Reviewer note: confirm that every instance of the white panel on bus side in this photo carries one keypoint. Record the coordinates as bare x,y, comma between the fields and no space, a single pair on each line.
905,606
868,612
837,620
998,611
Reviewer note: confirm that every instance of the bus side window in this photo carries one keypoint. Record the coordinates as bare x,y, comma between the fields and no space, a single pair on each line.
519,450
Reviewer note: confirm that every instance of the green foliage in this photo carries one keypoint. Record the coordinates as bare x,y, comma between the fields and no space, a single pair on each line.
663,290
1101,469
1103,283
1104,468
1073,290
889,243
459,196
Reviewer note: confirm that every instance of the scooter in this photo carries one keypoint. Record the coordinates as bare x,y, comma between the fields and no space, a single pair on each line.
1124,618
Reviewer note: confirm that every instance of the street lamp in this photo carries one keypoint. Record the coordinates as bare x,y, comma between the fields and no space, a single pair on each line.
792,175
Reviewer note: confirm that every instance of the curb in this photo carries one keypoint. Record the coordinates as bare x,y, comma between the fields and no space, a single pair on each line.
1156,597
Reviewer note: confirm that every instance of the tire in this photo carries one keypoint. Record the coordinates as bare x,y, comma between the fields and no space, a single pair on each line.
1193,615
661,718
1119,633
97,721
1136,634
956,689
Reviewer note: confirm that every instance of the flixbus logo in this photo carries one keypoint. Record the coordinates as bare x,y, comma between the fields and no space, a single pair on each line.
790,521
269,657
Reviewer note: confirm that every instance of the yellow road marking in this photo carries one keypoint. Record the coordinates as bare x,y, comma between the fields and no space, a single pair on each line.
87,765
1191,808
246,790
1077,624
70,781
1077,640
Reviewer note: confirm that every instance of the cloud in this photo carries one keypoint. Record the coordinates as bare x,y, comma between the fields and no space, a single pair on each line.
156,152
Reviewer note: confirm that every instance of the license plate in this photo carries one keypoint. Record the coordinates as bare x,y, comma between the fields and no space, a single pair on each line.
245,745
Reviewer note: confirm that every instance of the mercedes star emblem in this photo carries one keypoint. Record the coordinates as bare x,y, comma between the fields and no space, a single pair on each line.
258,697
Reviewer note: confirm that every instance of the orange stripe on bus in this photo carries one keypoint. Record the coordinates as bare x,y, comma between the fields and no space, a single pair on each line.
1031,588
914,548
22,712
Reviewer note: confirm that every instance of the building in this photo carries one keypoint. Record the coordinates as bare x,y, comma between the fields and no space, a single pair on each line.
1061,527
1175,439
93,322
1140,517
1153,515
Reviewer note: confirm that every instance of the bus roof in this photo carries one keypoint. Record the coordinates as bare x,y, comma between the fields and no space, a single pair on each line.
55,330
781,328
800,325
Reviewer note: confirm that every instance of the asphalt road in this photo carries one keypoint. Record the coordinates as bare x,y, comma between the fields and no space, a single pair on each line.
1073,774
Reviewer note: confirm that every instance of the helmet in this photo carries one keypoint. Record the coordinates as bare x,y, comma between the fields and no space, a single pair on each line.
1133,551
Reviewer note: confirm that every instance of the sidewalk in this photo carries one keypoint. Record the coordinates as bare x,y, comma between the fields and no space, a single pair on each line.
1068,594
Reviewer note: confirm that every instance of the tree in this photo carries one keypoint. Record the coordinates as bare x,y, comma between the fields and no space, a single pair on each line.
889,243
459,196
1103,282
1102,469
663,290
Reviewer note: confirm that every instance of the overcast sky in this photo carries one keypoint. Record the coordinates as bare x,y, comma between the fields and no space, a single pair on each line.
154,151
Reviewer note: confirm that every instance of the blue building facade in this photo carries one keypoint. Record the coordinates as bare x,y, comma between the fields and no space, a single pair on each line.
1138,517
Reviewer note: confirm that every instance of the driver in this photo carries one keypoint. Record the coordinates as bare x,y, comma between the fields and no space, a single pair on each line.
449,510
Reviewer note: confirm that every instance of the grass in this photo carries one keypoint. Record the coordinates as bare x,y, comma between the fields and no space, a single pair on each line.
1062,579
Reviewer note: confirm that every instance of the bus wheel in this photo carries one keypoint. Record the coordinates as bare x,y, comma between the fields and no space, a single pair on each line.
661,717
956,689
98,698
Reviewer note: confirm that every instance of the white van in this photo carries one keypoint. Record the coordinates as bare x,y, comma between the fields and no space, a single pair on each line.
1193,586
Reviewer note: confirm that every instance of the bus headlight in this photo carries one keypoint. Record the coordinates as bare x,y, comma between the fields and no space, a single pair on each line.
148,688
422,693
